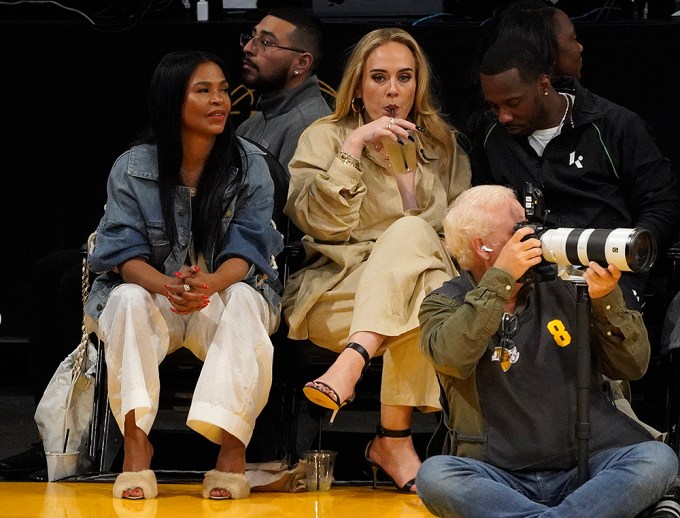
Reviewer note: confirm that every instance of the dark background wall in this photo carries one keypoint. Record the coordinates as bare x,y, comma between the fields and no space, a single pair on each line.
72,98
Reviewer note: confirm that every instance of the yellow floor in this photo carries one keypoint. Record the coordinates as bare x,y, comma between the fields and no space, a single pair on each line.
93,500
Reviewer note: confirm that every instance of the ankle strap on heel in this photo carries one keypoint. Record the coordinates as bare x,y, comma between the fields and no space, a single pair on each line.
384,432
360,349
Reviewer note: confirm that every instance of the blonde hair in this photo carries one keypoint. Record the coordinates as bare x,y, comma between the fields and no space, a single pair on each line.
470,215
425,111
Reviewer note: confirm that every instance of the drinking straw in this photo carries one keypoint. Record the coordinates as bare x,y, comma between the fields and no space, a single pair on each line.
318,459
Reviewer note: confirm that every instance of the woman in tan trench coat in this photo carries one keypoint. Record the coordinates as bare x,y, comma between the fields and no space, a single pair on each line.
373,237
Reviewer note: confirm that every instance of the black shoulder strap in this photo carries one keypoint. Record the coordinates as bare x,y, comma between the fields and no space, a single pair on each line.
456,288
281,179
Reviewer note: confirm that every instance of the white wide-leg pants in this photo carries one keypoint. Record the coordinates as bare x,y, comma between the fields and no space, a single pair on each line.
231,337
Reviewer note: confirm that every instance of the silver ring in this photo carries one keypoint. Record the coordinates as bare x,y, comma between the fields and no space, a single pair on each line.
187,287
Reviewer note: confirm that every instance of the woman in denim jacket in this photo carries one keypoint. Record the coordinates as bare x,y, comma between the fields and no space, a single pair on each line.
186,247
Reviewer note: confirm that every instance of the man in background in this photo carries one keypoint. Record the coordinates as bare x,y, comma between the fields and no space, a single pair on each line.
595,162
280,56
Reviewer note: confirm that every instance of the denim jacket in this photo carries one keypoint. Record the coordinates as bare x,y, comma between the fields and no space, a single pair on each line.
133,226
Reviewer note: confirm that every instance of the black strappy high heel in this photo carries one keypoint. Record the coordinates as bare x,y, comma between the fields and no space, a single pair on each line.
383,432
324,395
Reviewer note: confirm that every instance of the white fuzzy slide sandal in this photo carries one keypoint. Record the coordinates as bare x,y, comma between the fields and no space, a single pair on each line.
234,483
144,480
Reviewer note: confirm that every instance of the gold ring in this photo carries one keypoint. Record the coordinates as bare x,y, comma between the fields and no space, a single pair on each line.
187,287
388,125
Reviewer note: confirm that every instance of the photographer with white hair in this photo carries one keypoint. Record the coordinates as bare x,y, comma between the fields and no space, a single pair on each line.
505,353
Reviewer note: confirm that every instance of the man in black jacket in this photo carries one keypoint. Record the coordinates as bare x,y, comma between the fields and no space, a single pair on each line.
595,161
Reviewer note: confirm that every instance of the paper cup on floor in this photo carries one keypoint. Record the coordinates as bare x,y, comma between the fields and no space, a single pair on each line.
318,466
61,465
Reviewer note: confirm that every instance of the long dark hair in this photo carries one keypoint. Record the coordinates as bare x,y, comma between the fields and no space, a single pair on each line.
223,167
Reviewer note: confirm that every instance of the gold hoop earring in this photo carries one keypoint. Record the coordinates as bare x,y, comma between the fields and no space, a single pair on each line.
357,105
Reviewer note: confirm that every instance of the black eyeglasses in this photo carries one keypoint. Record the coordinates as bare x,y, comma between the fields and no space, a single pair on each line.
508,325
508,330
259,44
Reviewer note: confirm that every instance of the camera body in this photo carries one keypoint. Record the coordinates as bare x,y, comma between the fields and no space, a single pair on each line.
629,249
535,214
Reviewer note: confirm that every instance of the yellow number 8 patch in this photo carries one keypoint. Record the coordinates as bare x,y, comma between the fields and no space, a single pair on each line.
560,334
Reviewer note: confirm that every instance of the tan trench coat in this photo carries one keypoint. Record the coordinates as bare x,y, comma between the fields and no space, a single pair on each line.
369,264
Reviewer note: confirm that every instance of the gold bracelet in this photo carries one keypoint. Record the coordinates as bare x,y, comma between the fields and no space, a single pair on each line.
346,158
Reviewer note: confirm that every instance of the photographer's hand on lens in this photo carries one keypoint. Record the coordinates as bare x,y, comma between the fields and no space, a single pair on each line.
517,256
601,281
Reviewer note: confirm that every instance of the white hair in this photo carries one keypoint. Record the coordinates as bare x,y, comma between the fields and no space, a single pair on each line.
473,214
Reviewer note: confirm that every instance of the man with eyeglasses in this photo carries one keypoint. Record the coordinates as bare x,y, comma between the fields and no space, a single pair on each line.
280,56
506,356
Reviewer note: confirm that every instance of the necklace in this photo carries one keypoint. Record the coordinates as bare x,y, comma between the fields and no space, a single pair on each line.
567,111
383,155
189,178
558,129
192,190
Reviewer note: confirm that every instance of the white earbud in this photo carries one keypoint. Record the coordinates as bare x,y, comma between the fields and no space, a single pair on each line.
486,248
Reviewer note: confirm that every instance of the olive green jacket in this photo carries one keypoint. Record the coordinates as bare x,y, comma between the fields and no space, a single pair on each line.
459,334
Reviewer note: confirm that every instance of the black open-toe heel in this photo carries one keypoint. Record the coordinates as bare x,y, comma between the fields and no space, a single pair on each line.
383,432
324,395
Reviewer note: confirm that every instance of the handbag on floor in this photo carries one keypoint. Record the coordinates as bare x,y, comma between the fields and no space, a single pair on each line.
64,412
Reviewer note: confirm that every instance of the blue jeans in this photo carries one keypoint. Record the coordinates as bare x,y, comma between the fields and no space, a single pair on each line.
623,482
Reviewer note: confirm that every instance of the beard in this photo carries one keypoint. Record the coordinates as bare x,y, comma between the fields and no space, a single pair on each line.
264,85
